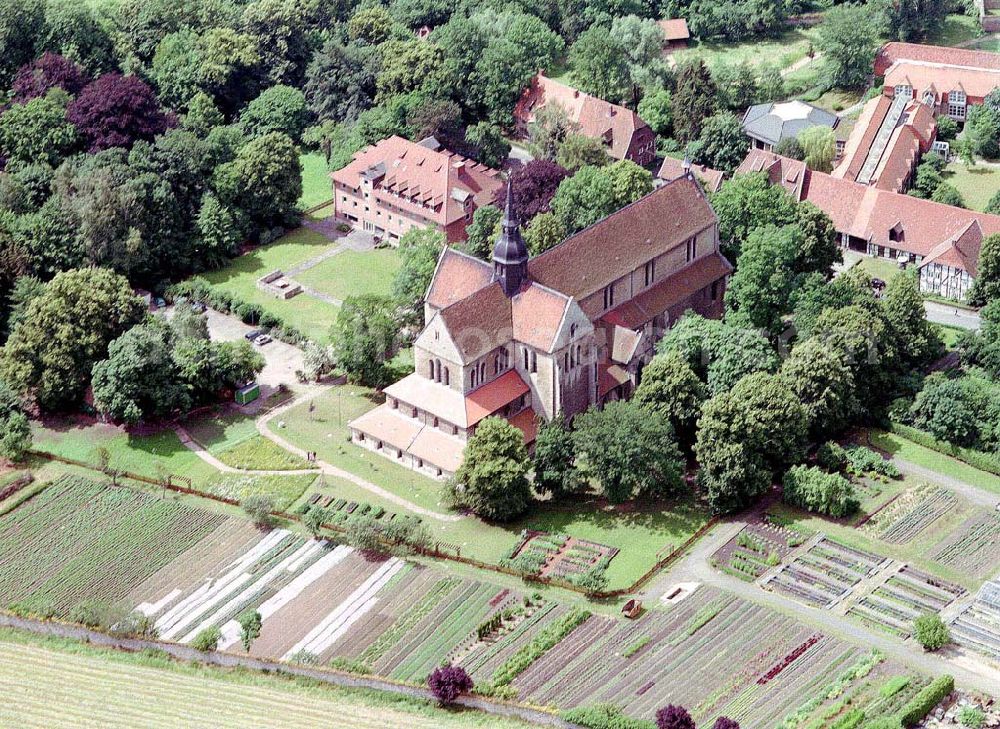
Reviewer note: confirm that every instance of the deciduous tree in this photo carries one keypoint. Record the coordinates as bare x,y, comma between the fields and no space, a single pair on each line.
554,459
630,451
116,111
492,480
669,386
448,682
364,337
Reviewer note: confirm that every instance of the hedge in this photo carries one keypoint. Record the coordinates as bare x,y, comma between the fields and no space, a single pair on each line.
977,459
604,716
198,289
924,702
517,663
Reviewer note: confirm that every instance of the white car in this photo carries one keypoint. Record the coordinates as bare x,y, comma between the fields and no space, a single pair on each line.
262,340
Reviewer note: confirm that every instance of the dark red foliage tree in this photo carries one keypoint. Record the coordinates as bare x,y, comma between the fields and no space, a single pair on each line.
447,682
47,72
534,185
725,723
674,717
116,111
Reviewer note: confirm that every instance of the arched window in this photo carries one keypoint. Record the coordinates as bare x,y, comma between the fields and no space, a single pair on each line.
447,376
430,369
482,372
474,378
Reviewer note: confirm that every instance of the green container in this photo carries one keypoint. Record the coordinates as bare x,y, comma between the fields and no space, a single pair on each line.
246,395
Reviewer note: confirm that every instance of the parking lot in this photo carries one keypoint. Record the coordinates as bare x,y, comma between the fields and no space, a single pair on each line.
281,359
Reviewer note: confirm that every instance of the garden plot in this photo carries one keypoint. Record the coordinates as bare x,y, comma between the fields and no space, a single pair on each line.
559,555
342,511
755,550
824,573
737,659
973,547
266,576
80,541
978,626
902,598
904,518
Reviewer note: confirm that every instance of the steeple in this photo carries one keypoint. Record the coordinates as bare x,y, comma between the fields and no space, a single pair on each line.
510,254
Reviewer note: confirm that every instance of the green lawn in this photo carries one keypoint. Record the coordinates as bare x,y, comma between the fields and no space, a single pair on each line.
309,315
781,52
641,533
900,447
354,273
976,184
991,44
325,431
949,334
94,686
316,186
159,454
836,100
956,29
881,268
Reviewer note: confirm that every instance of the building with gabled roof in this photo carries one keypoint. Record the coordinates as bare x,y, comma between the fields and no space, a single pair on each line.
675,33
395,185
887,143
672,168
529,340
943,241
946,79
623,132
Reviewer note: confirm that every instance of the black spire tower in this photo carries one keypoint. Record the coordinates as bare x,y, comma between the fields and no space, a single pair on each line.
510,254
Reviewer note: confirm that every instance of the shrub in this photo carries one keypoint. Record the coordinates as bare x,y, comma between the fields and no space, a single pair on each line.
724,722
864,460
259,507
674,717
832,457
604,716
972,717
931,632
448,682
824,493
924,702
207,639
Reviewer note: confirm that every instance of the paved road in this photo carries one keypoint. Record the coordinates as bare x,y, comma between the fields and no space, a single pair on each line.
332,470
281,360
695,567
952,315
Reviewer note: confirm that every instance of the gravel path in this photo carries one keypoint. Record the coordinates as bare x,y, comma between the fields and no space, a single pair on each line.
199,450
976,495
332,470
695,567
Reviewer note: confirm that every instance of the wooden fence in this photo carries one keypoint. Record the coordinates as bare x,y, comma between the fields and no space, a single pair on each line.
433,551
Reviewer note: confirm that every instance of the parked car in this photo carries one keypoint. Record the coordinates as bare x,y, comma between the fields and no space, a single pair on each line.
262,340
198,307
252,335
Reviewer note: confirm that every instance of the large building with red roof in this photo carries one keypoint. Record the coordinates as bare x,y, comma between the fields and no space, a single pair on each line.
395,185
624,134
886,144
943,241
532,339
946,79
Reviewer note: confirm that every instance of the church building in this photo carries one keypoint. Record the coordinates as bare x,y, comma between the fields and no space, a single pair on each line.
551,336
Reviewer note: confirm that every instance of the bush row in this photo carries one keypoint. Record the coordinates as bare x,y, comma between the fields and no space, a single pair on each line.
977,459
604,716
924,702
530,653
198,289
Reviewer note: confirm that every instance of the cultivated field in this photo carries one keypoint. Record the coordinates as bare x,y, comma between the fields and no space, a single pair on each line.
50,683
329,604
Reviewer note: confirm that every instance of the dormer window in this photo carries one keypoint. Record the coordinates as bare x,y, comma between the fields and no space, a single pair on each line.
896,233
903,90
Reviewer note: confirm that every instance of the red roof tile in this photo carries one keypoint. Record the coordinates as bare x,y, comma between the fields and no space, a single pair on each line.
457,276
975,82
893,52
672,168
491,397
527,422
597,118
675,29
422,181
537,313
624,240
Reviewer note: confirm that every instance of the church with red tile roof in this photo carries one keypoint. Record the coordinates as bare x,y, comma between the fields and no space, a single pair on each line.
533,339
